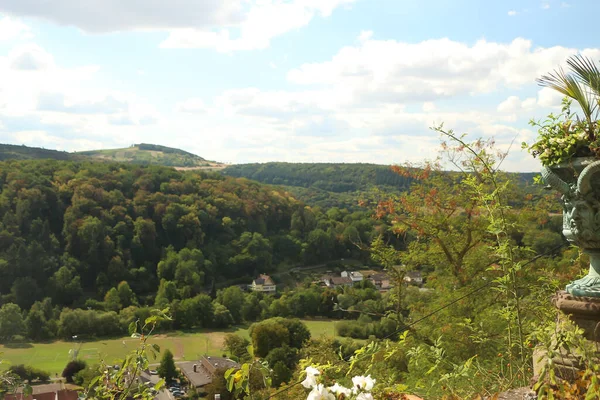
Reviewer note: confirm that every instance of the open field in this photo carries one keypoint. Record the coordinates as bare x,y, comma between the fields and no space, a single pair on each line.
52,357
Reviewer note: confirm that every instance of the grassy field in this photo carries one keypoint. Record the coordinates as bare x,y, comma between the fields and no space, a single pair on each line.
52,357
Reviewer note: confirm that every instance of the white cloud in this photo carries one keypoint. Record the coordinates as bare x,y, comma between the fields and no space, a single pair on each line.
387,71
191,106
429,106
545,6
102,16
512,13
264,21
11,28
224,25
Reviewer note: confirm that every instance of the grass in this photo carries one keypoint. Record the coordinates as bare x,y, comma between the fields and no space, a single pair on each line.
52,357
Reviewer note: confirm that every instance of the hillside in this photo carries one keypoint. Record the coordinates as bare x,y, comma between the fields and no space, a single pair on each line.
324,184
144,153
15,152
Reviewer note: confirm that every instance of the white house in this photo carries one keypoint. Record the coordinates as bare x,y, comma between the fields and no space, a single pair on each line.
354,276
264,284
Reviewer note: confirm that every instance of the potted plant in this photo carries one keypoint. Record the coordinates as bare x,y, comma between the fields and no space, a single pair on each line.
568,147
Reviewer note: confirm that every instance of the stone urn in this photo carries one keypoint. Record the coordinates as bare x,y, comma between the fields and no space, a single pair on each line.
579,183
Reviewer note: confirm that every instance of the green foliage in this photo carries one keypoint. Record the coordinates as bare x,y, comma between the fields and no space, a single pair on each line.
167,369
28,373
11,321
277,332
72,368
237,346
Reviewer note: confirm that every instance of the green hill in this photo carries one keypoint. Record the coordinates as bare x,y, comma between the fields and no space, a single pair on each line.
334,184
144,153
15,152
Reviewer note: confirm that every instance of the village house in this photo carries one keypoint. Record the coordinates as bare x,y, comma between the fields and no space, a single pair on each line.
354,276
52,391
336,281
263,284
414,278
202,372
381,281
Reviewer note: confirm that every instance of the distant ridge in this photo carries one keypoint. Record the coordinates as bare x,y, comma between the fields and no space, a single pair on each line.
16,152
143,153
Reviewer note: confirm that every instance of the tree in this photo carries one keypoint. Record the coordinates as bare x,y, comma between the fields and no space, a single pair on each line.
113,300
72,368
233,298
11,321
237,346
125,294
221,317
167,369
267,335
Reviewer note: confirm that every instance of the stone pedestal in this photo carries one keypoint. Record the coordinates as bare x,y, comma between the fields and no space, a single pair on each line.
585,313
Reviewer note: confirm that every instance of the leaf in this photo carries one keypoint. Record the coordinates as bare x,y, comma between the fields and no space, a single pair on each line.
156,347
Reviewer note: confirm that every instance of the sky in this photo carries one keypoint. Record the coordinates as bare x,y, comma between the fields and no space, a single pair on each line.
240,81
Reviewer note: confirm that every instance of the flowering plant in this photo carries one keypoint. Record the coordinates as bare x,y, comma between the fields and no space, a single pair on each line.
567,135
361,387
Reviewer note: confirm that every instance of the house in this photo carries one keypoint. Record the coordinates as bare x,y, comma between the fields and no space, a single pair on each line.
414,278
53,391
355,276
263,284
201,373
381,281
367,273
336,281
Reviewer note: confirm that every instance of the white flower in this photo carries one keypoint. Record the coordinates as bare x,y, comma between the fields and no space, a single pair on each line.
363,382
320,392
311,377
338,389
364,396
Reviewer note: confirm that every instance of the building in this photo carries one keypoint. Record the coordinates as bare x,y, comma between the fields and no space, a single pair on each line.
263,284
53,391
355,276
381,281
200,373
414,278
336,281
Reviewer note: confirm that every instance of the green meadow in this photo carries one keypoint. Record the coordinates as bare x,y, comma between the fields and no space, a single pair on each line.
52,357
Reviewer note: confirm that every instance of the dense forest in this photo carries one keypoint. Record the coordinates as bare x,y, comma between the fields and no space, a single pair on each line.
337,184
79,233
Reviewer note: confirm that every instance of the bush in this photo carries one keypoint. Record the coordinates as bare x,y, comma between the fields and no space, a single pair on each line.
28,373
72,368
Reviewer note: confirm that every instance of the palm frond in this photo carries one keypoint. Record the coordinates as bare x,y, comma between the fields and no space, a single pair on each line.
586,71
570,86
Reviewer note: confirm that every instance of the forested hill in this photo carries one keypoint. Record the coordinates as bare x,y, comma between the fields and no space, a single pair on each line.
332,177
143,153
324,184
71,231
333,184
14,152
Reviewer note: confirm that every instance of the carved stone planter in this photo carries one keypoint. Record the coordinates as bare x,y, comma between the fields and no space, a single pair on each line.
579,183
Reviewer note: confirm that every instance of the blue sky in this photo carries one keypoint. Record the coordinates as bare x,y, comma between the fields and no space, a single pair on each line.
284,80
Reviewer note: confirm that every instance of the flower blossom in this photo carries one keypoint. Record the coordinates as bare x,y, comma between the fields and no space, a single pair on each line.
320,392
338,389
364,396
363,382
311,377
